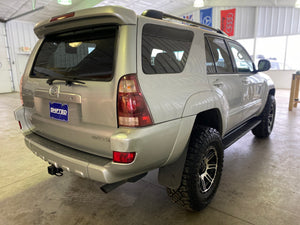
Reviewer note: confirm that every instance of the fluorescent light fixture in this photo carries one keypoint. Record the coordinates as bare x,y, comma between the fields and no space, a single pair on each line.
64,2
200,3
75,44
297,4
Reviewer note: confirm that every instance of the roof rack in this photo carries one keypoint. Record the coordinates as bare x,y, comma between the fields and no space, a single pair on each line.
161,15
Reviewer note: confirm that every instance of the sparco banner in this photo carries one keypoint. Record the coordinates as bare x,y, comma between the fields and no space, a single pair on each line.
227,21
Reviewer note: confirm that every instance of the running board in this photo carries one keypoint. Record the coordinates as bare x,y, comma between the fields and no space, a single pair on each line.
239,132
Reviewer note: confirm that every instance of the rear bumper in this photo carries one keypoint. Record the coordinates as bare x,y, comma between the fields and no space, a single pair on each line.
82,164
153,146
20,114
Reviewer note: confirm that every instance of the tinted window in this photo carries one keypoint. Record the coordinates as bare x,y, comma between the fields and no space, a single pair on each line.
165,49
85,54
242,60
210,65
220,55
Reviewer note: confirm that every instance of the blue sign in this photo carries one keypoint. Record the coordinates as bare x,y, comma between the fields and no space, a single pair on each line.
59,111
206,17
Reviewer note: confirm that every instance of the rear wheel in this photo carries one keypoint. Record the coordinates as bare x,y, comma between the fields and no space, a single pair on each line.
264,129
202,170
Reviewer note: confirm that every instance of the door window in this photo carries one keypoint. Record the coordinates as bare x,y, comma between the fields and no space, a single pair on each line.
220,55
210,65
242,60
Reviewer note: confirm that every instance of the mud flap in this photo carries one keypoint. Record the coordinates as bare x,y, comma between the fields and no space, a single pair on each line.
170,175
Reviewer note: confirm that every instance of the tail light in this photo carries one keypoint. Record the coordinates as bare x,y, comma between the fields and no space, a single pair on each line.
21,91
132,107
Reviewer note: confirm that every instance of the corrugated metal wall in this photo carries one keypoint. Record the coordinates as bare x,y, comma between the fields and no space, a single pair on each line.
21,40
271,21
278,21
244,21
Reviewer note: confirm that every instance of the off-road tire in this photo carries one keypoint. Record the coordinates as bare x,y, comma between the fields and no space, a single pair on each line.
264,129
205,148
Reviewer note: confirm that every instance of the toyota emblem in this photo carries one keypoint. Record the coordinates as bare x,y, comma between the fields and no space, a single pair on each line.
54,91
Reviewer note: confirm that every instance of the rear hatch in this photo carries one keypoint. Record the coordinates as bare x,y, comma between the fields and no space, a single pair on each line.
73,81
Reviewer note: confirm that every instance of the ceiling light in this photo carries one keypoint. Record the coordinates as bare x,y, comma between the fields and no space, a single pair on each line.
200,3
75,44
297,4
64,2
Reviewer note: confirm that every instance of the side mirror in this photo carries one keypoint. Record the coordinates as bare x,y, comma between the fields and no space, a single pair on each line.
263,65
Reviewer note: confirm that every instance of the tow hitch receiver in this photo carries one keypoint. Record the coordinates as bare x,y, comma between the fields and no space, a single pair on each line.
52,170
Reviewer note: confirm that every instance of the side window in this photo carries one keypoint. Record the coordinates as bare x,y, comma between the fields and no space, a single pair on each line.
210,65
243,61
220,55
165,49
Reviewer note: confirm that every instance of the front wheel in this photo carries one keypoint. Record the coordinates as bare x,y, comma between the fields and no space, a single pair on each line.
265,128
202,170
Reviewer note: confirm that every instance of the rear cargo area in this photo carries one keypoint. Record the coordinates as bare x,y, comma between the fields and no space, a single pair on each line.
70,84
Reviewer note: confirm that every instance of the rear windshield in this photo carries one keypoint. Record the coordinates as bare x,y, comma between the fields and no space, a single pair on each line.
86,54
165,49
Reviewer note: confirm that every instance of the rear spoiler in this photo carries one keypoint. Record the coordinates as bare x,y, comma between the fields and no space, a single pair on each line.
86,18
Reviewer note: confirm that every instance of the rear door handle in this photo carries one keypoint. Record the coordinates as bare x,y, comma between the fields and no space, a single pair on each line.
218,83
245,81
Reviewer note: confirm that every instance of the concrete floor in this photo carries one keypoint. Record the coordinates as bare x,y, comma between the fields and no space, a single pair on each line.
260,184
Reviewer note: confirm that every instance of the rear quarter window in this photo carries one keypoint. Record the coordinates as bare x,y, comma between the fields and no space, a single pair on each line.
165,49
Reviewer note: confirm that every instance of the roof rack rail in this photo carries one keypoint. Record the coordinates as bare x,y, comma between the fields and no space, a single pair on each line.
161,15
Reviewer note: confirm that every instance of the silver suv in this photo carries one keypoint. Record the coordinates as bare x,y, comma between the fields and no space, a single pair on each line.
109,95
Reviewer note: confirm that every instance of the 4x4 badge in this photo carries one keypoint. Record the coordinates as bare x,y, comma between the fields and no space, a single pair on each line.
54,91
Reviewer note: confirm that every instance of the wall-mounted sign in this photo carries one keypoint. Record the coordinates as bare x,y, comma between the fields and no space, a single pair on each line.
227,21
188,17
206,17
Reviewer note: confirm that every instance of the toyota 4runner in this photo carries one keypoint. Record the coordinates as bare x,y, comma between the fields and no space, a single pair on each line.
109,95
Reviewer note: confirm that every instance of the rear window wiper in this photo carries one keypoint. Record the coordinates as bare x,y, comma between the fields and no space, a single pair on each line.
56,76
69,80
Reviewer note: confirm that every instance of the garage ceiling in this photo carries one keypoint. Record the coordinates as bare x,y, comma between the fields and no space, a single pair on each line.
37,10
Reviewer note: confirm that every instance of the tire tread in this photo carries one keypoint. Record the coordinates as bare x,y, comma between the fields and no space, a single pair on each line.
185,194
261,130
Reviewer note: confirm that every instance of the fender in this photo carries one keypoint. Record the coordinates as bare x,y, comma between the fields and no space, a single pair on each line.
269,88
170,174
208,100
